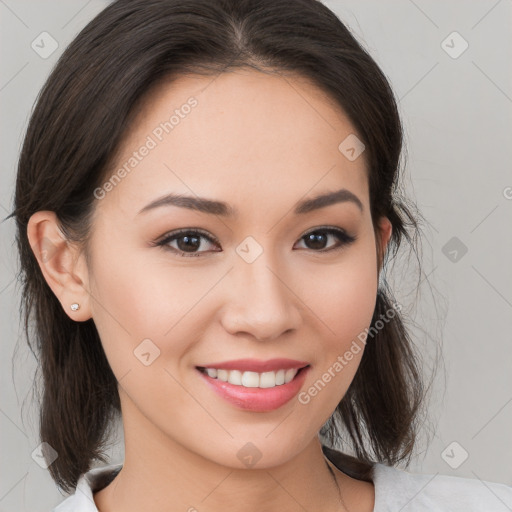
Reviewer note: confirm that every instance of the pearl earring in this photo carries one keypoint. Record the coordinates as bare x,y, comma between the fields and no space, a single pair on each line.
75,306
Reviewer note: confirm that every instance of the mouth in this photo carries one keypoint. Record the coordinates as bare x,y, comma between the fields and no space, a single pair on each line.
253,391
250,379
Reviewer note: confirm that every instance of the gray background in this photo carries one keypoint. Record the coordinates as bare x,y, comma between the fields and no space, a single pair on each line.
457,115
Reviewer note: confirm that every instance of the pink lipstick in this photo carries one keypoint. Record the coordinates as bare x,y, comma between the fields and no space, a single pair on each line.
255,385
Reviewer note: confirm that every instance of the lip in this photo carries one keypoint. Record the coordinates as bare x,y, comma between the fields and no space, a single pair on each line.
256,399
256,365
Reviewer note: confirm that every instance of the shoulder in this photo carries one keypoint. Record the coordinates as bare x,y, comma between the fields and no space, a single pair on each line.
95,479
397,489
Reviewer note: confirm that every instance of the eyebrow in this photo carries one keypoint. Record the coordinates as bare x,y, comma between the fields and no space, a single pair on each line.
213,207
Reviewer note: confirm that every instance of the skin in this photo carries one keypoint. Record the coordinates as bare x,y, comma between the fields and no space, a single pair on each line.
261,143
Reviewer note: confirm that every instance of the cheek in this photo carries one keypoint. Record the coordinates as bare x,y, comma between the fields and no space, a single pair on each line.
343,306
137,301
343,296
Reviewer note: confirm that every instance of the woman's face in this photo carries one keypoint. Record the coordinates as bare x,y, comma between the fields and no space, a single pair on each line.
252,285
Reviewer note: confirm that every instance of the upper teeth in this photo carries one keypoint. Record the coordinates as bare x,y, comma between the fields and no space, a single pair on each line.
253,379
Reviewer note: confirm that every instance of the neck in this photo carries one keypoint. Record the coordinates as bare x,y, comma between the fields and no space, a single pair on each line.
159,473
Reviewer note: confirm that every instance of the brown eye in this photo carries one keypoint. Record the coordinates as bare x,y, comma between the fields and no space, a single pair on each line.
317,239
188,242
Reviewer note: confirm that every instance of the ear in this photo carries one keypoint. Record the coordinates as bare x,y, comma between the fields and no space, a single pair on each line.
63,266
383,235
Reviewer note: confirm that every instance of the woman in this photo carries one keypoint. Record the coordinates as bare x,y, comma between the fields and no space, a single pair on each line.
206,200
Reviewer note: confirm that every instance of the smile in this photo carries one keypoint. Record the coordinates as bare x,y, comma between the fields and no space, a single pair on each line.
249,379
253,391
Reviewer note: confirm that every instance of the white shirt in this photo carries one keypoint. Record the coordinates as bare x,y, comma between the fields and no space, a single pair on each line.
395,490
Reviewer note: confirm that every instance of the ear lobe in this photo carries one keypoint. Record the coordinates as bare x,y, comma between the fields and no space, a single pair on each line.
384,231
62,266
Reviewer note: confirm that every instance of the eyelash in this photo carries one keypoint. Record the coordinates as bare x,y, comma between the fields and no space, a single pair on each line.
342,236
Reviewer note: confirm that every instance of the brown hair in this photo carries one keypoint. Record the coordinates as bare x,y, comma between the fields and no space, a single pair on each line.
78,123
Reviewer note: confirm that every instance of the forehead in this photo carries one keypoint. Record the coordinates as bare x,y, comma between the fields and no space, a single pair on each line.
243,137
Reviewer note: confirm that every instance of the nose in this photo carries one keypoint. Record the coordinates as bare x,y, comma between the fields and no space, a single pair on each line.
261,300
